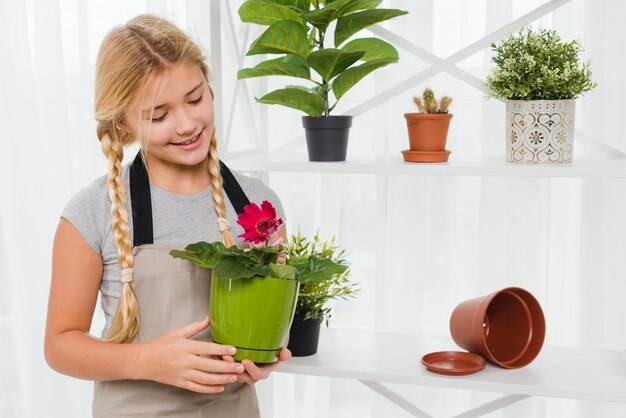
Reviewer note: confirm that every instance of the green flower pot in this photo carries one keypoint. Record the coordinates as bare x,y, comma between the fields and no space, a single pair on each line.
253,315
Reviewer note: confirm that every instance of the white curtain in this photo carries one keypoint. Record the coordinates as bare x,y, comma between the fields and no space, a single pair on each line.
419,245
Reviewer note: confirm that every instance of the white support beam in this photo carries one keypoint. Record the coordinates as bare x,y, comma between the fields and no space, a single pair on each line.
585,138
396,399
242,153
449,64
400,88
216,63
238,83
292,145
429,57
497,35
494,405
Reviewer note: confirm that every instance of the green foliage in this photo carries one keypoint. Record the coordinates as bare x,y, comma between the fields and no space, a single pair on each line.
428,103
315,269
333,284
237,263
538,65
234,262
297,30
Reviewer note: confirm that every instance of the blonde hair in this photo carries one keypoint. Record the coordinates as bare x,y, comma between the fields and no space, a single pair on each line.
130,57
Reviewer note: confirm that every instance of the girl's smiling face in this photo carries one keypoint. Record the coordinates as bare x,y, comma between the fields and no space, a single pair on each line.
173,119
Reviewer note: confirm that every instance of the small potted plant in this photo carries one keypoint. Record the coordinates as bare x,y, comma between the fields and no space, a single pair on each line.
312,305
428,129
539,76
254,289
297,32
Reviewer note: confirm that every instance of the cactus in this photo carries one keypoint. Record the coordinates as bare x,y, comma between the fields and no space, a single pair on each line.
428,103
419,104
443,104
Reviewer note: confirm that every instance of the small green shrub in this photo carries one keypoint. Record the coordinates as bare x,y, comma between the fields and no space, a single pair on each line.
538,65
314,296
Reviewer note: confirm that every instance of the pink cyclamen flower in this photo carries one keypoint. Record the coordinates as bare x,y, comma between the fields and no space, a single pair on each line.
258,222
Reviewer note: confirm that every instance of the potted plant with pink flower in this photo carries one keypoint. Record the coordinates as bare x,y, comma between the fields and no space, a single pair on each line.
254,288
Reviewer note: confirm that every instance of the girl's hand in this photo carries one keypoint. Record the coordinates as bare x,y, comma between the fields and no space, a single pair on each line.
175,359
255,372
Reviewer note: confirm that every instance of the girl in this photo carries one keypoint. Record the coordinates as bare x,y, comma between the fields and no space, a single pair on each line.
155,357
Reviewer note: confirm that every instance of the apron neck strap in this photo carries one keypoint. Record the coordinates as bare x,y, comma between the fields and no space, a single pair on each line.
233,190
141,202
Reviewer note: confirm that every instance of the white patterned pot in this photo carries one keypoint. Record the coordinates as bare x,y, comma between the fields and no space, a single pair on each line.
540,131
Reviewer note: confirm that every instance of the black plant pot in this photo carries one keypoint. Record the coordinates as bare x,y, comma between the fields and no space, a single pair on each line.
327,137
304,336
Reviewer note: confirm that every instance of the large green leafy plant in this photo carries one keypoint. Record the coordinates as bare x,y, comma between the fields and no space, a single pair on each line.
298,30
314,295
538,65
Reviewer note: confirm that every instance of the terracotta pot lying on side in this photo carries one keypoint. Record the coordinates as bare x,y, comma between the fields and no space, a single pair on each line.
506,327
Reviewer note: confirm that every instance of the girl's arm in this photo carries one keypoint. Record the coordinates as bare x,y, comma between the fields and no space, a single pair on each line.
69,348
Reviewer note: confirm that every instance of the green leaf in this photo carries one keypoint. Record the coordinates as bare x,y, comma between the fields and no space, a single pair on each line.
355,5
301,5
254,256
351,76
333,10
281,271
202,254
289,65
330,62
310,103
314,269
321,18
282,37
265,12
230,267
319,90
375,49
231,262
350,24
303,88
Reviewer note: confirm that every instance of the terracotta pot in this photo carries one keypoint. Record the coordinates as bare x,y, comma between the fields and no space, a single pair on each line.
428,132
506,327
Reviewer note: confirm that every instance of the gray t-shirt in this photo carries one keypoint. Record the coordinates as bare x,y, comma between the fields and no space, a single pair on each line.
177,220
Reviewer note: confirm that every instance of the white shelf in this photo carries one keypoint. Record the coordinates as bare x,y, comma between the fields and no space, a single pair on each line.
596,375
394,164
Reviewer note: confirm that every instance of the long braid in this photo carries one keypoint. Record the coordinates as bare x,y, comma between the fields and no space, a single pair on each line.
218,193
126,322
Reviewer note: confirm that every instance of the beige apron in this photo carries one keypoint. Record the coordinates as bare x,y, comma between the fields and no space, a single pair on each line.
171,293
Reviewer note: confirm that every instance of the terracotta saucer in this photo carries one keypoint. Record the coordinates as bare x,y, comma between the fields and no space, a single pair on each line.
426,156
453,363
